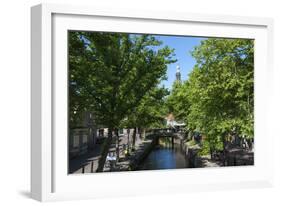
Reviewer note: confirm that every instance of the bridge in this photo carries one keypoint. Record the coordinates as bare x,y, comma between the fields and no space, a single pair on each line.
166,133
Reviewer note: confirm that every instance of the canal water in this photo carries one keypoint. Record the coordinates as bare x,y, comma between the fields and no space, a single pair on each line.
164,156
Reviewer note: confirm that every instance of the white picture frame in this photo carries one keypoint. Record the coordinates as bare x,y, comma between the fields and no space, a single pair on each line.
49,179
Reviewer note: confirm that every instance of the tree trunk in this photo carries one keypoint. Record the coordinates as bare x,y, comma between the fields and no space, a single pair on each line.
104,152
211,152
117,144
134,137
224,150
128,143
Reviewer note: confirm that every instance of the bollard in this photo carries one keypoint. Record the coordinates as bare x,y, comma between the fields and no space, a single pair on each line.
92,167
83,169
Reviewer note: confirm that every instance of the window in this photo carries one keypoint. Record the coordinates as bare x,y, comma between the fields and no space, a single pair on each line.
85,139
76,140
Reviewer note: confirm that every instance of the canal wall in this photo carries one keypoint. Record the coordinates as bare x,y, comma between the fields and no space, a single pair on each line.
194,159
138,155
141,153
191,153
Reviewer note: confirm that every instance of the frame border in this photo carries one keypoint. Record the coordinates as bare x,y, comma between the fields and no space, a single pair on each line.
42,154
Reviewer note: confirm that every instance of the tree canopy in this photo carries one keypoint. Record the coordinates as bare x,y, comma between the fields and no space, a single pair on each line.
111,73
218,97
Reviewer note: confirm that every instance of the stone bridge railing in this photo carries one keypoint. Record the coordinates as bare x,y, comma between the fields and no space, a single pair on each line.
166,132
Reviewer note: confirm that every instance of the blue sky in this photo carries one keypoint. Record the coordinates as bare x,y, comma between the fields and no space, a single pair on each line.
183,45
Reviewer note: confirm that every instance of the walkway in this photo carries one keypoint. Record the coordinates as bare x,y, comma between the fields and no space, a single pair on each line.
129,163
88,162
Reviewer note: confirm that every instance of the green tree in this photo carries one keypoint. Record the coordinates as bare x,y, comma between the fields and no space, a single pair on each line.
110,73
217,99
221,89
149,113
177,102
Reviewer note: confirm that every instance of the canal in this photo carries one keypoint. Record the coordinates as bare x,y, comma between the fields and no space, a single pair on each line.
164,156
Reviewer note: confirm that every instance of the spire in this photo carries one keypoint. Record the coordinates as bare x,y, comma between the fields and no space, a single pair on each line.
178,74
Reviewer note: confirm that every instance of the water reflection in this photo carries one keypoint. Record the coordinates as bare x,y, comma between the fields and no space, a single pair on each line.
164,157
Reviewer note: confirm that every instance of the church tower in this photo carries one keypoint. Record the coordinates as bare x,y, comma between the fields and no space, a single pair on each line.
178,74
